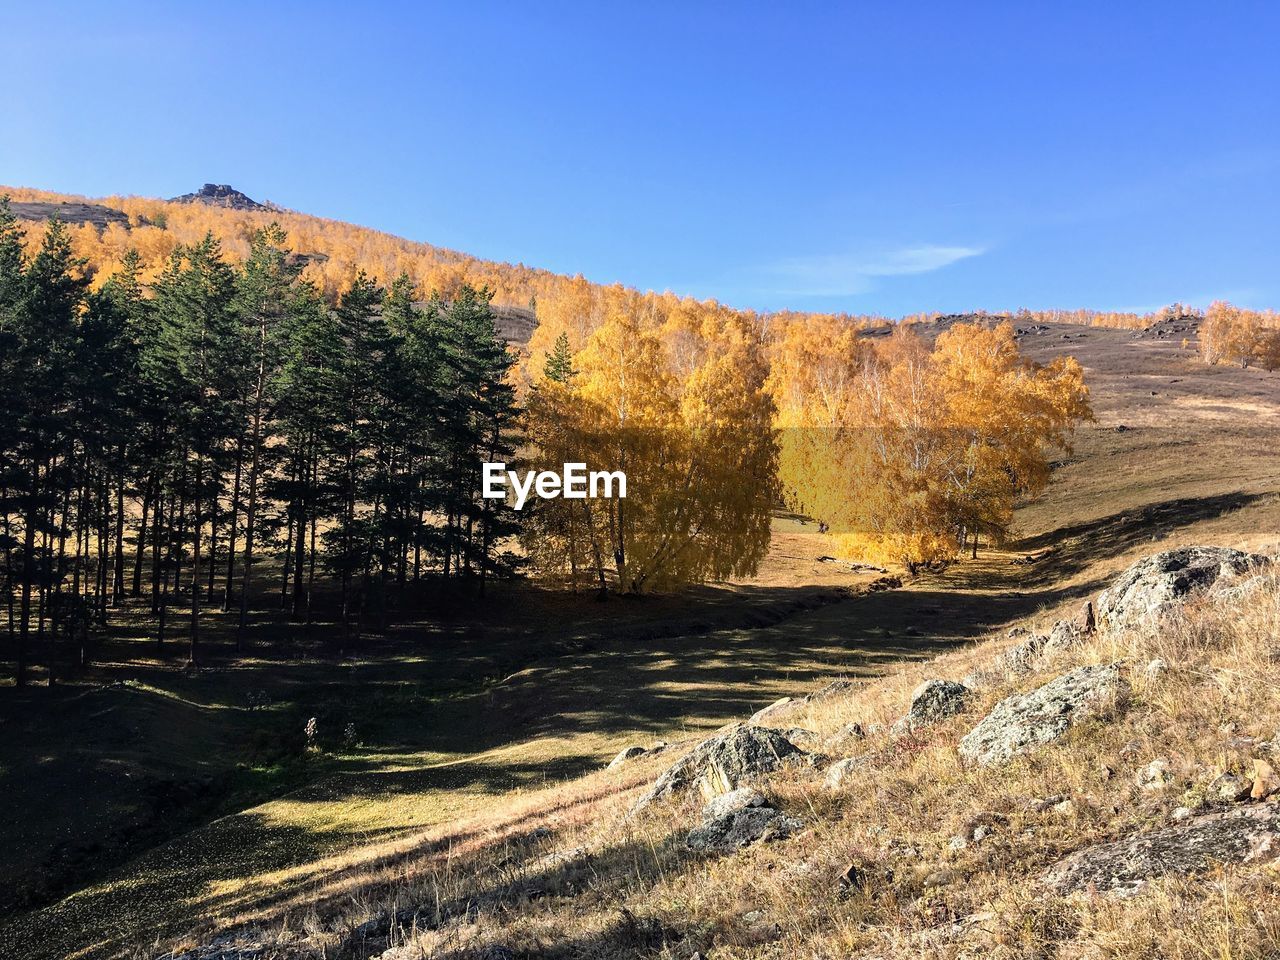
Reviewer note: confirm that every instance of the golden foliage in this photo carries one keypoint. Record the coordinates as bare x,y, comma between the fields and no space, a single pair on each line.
906,451
680,409
1235,335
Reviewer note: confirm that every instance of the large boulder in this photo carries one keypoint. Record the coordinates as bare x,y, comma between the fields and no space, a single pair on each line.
728,760
1142,595
1029,720
1241,835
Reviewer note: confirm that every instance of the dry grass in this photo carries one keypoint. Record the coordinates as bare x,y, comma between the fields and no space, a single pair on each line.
639,892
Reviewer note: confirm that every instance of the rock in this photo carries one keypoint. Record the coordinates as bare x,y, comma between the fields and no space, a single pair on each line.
741,828
237,945
940,878
1249,834
850,732
1143,594
1230,787
497,952
1239,592
559,858
1064,635
732,802
1017,660
932,701
222,195
838,687
1046,803
805,739
840,771
1088,619
1154,776
779,706
627,753
1026,721
980,826
1265,780
854,877
724,761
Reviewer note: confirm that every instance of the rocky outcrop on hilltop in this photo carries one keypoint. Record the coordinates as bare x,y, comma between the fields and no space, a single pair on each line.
222,195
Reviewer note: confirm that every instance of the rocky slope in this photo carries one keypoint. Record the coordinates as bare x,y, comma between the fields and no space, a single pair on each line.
1086,782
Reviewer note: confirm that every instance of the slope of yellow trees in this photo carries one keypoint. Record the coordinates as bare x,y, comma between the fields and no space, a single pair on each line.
715,414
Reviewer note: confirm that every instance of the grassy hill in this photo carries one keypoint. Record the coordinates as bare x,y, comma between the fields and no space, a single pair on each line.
185,803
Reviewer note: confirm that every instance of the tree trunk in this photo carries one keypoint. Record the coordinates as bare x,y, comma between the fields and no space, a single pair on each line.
193,659
232,532
140,548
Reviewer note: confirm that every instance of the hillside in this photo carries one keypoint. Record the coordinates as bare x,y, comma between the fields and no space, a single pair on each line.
466,750
277,779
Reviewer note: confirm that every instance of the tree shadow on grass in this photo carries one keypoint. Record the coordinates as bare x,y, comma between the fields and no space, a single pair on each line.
1118,533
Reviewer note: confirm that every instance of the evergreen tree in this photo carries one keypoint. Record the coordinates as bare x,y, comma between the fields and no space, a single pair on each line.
192,357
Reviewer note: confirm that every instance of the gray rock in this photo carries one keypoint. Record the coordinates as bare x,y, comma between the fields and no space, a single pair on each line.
1155,775
841,770
1230,788
839,687
849,733
1029,720
1240,835
731,757
1017,660
1064,635
932,701
238,945
1244,590
1142,595
1156,669
627,753
805,739
732,802
777,708
937,699
741,828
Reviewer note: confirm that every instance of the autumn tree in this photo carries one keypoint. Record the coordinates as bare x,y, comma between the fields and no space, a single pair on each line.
907,452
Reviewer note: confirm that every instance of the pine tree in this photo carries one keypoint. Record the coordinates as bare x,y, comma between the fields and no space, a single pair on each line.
193,361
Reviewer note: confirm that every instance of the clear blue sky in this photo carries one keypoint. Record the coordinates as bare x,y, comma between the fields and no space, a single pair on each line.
870,157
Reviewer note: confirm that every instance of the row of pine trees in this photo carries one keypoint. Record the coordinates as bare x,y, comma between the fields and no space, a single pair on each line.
161,443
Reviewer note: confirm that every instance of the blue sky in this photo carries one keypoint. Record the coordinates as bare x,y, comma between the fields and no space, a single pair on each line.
869,157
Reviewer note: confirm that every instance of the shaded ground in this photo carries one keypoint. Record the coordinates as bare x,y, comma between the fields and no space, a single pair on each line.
455,710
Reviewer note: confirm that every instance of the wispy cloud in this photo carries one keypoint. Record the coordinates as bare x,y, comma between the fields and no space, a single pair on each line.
845,274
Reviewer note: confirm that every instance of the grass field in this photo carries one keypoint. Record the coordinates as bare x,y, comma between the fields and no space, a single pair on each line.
142,801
